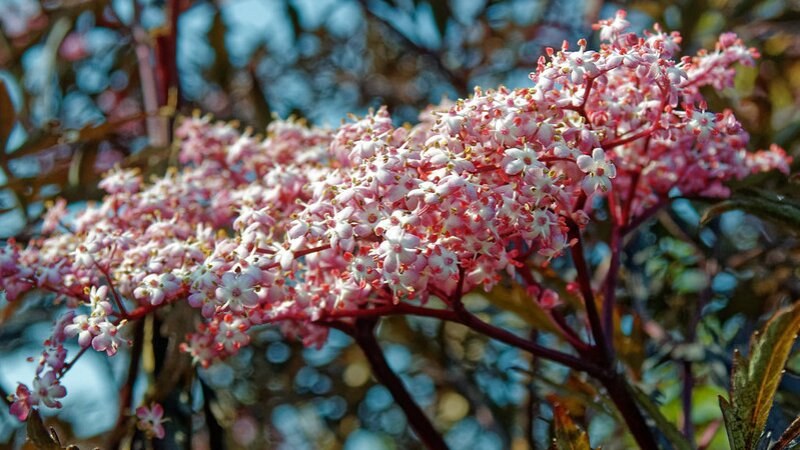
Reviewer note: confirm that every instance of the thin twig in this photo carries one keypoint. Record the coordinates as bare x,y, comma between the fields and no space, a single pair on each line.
122,311
126,390
464,318
686,399
363,331
458,81
533,402
585,285
71,363
644,216
216,433
610,291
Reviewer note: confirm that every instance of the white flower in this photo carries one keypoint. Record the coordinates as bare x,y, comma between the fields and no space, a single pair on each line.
108,339
83,327
443,264
364,269
47,389
83,256
121,180
97,300
580,64
598,171
156,288
339,231
542,221
284,257
237,291
398,248
521,160
232,334
453,121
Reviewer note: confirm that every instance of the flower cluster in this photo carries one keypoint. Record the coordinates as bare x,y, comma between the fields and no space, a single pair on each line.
307,224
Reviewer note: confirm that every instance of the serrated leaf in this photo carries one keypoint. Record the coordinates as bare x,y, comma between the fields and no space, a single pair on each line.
568,435
774,207
668,428
791,433
736,435
756,377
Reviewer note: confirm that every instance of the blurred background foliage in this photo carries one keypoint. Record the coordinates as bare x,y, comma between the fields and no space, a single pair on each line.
94,83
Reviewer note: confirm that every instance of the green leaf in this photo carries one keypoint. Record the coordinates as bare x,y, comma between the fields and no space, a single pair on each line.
755,378
766,205
668,428
568,435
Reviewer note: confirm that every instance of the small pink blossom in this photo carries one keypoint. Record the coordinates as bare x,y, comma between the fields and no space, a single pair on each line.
398,248
309,222
108,339
156,288
610,29
48,389
237,291
84,327
151,420
56,211
53,357
98,301
549,299
599,172
518,160
22,403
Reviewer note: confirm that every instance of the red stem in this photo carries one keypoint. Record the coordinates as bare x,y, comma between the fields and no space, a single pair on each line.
641,218
639,135
620,394
69,365
363,331
609,293
614,382
126,390
585,284
465,318
558,321
686,399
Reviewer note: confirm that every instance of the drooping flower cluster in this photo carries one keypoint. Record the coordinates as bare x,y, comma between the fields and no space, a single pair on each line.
308,223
